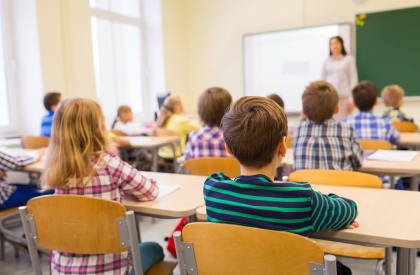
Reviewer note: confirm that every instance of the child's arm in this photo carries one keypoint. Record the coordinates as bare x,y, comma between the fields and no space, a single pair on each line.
130,181
189,126
393,134
332,212
10,163
188,153
356,149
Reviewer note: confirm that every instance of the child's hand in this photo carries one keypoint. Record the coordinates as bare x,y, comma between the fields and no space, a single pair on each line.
41,152
353,225
2,175
153,181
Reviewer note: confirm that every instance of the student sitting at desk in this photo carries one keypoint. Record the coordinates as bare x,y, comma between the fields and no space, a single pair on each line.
366,124
320,142
393,95
208,142
255,131
124,115
51,101
13,195
81,147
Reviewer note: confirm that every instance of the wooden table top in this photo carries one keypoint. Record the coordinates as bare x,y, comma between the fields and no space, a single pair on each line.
142,142
409,139
375,166
386,217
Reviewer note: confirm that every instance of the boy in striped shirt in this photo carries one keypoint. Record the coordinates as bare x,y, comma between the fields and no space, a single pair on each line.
254,130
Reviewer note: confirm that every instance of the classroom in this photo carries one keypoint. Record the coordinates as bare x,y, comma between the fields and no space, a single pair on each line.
200,137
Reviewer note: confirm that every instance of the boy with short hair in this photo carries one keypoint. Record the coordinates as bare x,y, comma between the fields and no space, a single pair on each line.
255,130
392,95
320,142
208,141
51,101
366,124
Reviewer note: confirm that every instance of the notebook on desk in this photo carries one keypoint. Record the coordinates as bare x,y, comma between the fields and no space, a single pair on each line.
166,190
393,155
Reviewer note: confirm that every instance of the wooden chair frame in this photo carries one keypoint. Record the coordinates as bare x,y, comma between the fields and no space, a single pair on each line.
33,142
405,126
207,166
374,144
199,251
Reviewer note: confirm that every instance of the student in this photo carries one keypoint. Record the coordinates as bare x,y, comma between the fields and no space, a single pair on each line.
392,95
366,124
51,100
290,125
171,118
255,133
208,141
106,176
124,115
320,142
13,195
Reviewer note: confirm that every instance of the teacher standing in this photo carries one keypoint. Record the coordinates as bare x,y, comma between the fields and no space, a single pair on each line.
340,71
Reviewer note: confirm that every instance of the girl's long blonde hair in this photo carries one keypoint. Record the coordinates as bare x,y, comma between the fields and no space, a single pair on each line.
122,109
167,110
78,134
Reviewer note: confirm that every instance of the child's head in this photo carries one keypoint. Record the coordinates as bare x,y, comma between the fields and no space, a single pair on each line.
78,133
392,96
212,105
171,105
365,95
277,99
255,129
320,101
51,101
124,114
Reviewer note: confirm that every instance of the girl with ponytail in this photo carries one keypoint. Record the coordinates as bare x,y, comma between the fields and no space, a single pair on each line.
124,115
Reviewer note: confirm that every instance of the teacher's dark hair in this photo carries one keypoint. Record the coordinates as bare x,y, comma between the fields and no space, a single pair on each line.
343,51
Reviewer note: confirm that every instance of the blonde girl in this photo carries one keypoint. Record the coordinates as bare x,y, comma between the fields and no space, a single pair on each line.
79,146
124,115
171,118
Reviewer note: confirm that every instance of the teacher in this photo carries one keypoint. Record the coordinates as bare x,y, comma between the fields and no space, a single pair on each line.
340,71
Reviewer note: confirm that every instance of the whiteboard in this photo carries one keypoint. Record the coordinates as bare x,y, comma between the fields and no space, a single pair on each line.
285,62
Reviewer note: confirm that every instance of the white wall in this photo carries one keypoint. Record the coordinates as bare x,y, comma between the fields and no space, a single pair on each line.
203,38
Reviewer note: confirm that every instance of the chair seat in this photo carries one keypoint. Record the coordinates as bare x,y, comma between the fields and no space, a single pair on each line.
351,250
162,268
8,211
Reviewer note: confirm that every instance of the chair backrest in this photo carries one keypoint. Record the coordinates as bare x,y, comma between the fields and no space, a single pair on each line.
233,249
289,142
163,132
374,144
118,133
405,126
34,143
335,177
207,166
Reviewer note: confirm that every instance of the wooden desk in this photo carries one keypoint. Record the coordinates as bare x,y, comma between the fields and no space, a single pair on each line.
381,223
154,143
379,168
10,142
410,140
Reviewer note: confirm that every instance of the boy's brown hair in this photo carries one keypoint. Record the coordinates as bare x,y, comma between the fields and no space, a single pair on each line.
276,99
319,100
51,99
253,128
364,95
212,105
391,94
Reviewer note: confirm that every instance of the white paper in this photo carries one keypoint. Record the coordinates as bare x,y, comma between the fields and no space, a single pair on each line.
393,155
142,141
166,190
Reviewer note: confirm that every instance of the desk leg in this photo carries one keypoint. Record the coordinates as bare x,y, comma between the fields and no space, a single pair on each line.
388,260
412,261
192,219
414,183
154,159
405,263
175,159
137,218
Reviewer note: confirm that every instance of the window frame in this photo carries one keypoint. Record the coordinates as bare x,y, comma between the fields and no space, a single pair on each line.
147,115
13,129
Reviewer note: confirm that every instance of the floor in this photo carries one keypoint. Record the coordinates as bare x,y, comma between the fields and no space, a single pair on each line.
156,230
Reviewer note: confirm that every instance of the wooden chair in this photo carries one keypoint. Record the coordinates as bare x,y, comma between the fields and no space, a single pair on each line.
216,248
34,143
405,127
289,141
95,226
118,133
344,178
208,166
3,239
374,144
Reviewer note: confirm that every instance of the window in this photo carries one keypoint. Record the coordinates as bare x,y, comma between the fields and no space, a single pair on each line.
8,114
118,56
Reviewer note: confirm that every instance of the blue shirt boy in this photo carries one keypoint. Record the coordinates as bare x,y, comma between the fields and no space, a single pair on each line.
47,124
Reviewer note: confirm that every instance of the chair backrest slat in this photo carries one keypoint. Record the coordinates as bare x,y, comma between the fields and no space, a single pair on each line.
118,133
163,132
77,224
335,177
374,144
207,166
34,143
289,141
405,126
233,249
